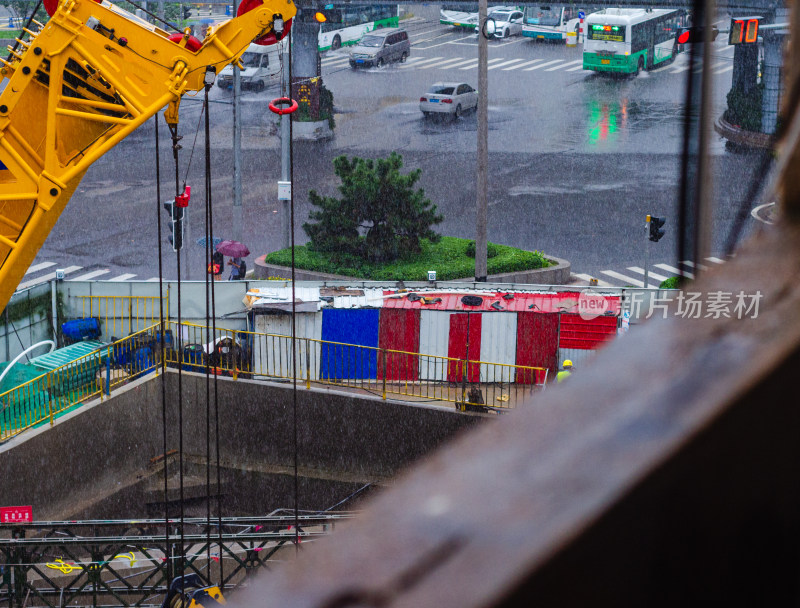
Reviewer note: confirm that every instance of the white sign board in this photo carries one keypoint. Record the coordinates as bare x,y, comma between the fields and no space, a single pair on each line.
284,191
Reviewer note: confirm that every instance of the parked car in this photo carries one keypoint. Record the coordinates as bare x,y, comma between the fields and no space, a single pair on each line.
380,47
453,98
508,22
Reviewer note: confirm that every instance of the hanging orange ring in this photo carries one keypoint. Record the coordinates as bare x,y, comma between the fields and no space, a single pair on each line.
283,105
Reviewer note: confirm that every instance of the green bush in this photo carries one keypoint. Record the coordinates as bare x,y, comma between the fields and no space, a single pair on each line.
745,110
491,250
670,283
447,257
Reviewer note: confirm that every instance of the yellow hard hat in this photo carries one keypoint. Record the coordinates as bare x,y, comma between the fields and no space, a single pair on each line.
568,363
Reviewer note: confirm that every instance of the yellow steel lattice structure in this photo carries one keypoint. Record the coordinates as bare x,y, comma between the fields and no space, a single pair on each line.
78,86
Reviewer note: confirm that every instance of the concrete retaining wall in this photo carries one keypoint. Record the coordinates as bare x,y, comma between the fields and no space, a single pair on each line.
95,462
552,275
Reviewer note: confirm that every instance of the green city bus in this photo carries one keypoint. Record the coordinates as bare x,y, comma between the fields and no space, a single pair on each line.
627,41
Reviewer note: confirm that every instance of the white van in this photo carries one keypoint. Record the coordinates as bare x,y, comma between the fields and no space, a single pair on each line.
262,65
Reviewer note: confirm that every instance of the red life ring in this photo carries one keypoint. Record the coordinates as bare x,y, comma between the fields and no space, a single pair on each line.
277,105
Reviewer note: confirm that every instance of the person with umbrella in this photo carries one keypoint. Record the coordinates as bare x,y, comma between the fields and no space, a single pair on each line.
237,251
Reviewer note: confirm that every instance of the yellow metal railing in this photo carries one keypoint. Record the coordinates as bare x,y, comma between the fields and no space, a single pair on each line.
413,376
124,315
385,372
42,398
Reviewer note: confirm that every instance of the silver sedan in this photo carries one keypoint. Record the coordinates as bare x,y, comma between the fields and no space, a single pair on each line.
453,98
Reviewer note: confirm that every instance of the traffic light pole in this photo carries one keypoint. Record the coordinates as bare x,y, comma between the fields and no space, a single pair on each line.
481,211
237,147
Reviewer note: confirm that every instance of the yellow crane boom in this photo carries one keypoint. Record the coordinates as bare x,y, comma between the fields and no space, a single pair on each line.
77,87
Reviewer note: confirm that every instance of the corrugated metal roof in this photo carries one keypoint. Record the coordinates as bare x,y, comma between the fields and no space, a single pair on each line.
493,301
65,355
274,297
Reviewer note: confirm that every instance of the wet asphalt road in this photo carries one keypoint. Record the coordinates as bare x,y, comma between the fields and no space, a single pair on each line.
576,160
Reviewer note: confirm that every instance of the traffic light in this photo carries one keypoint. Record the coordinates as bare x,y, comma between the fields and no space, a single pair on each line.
186,11
656,230
744,30
175,225
689,35
317,12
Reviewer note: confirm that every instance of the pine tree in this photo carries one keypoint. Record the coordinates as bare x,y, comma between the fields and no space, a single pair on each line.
380,201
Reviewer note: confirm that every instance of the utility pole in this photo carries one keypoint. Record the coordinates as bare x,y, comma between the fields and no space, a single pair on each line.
161,9
237,147
481,207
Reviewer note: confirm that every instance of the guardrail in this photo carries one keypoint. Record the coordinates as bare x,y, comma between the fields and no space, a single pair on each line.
471,384
44,397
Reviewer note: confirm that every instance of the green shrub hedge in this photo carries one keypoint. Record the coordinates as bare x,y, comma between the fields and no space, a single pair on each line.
448,258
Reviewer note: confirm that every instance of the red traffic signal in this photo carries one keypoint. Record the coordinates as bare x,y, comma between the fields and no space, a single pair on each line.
744,30
689,35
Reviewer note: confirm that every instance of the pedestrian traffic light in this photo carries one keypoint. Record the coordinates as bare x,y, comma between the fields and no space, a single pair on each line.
175,225
656,230
186,12
689,35
744,30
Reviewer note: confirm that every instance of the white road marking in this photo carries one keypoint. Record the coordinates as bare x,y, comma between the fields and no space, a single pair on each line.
657,277
756,210
536,67
674,270
408,64
558,67
460,63
624,278
499,65
122,277
588,278
715,260
91,275
719,64
38,267
683,68
575,69
442,64
433,46
723,70
46,277
521,65
495,60
691,264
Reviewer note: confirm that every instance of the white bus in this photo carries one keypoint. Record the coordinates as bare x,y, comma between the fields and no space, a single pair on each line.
552,22
629,40
347,24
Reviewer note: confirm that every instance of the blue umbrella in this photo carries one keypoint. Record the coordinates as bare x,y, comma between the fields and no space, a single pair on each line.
202,241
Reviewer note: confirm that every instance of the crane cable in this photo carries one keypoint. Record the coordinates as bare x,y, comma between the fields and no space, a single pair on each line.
213,325
167,562
176,147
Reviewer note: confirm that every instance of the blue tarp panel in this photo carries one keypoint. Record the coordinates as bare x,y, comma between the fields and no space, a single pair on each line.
349,327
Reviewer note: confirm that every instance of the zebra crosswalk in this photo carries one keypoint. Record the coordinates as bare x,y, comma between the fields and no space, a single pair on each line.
633,276
35,275
720,64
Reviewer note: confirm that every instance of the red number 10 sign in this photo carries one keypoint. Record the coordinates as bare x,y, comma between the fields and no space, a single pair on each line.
744,31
